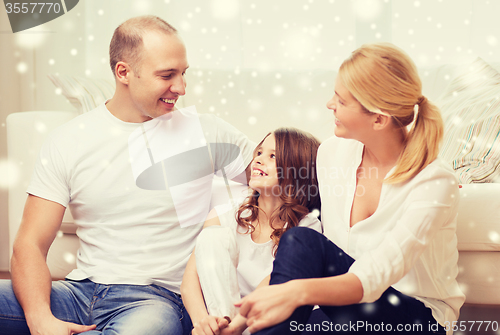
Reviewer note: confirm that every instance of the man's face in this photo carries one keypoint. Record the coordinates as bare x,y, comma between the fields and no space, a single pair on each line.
159,80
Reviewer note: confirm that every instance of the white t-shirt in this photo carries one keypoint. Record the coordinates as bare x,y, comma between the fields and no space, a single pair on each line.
409,242
255,260
137,212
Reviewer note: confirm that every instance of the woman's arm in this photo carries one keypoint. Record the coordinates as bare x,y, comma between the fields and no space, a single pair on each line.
192,294
271,305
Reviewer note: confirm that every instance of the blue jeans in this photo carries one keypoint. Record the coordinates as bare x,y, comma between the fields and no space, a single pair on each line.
305,253
115,309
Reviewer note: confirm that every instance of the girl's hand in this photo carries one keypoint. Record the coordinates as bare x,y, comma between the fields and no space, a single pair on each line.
209,325
268,306
231,330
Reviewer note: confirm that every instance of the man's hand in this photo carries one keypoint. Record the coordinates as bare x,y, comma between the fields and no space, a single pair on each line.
54,326
268,306
209,325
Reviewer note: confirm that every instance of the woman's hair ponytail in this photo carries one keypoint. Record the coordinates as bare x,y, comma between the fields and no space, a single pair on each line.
422,142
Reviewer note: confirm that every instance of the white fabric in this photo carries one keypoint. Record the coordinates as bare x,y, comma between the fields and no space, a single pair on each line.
217,256
479,217
128,235
220,249
408,243
255,259
479,275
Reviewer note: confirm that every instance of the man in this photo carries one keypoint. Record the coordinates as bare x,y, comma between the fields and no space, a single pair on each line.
122,170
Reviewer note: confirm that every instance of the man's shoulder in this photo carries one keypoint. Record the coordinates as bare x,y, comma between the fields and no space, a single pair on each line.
81,121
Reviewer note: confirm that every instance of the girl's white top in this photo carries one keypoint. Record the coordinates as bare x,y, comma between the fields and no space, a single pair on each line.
255,259
410,241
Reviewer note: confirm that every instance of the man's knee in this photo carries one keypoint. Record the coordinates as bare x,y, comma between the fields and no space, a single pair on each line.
153,318
11,314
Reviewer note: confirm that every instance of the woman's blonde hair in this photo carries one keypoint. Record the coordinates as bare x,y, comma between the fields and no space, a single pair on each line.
382,76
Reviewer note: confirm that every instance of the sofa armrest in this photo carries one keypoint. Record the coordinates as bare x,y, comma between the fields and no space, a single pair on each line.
478,226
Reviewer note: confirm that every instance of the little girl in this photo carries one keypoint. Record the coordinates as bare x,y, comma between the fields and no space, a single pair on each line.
235,251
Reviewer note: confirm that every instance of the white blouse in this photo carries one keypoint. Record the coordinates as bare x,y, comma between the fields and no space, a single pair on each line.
410,241
255,260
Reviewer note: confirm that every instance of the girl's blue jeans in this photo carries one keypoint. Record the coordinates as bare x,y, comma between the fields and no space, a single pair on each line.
115,309
304,253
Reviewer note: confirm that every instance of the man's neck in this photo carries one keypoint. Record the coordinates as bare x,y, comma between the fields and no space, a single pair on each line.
120,107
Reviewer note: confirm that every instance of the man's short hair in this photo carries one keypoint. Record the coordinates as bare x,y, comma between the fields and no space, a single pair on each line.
126,44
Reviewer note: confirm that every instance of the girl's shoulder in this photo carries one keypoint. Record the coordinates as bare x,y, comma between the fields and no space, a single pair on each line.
311,221
226,214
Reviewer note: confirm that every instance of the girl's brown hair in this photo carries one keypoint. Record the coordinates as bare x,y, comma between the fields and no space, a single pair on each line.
382,76
297,183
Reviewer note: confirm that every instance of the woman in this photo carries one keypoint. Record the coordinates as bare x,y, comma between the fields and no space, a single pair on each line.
235,250
389,208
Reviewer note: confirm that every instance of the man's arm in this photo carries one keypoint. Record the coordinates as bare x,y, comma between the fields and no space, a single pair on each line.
31,278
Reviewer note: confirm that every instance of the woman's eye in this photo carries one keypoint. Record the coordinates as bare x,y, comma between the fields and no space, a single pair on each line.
273,156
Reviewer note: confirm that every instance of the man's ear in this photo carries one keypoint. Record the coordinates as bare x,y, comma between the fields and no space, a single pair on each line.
381,122
123,72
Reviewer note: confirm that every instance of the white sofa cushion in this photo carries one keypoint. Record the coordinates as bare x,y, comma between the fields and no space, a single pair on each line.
84,93
479,217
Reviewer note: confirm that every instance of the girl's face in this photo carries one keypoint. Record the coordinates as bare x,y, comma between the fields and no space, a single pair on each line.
351,121
264,172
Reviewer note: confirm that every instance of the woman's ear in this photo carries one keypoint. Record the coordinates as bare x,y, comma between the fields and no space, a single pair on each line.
123,72
381,122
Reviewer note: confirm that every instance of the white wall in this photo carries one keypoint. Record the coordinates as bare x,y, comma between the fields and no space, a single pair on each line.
289,45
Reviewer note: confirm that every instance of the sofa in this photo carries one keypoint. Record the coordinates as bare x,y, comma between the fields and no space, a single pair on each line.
227,94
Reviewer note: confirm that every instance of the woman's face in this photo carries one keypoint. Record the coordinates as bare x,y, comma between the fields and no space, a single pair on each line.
351,121
264,172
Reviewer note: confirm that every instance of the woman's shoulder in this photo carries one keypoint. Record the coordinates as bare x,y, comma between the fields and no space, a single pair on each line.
437,169
338,143
336,150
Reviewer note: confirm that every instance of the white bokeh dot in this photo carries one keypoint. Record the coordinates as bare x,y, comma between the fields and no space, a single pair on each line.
393,299
252,120
22,67
9,174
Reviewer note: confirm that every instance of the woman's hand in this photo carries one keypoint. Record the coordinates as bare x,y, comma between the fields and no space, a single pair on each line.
269,305
209,325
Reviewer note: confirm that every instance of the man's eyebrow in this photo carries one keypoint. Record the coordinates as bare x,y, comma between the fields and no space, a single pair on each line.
169,70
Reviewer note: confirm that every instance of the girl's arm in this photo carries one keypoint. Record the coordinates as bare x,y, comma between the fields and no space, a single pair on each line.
192,295
271,305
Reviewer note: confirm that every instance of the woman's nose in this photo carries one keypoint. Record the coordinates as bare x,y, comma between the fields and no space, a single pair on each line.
331,104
